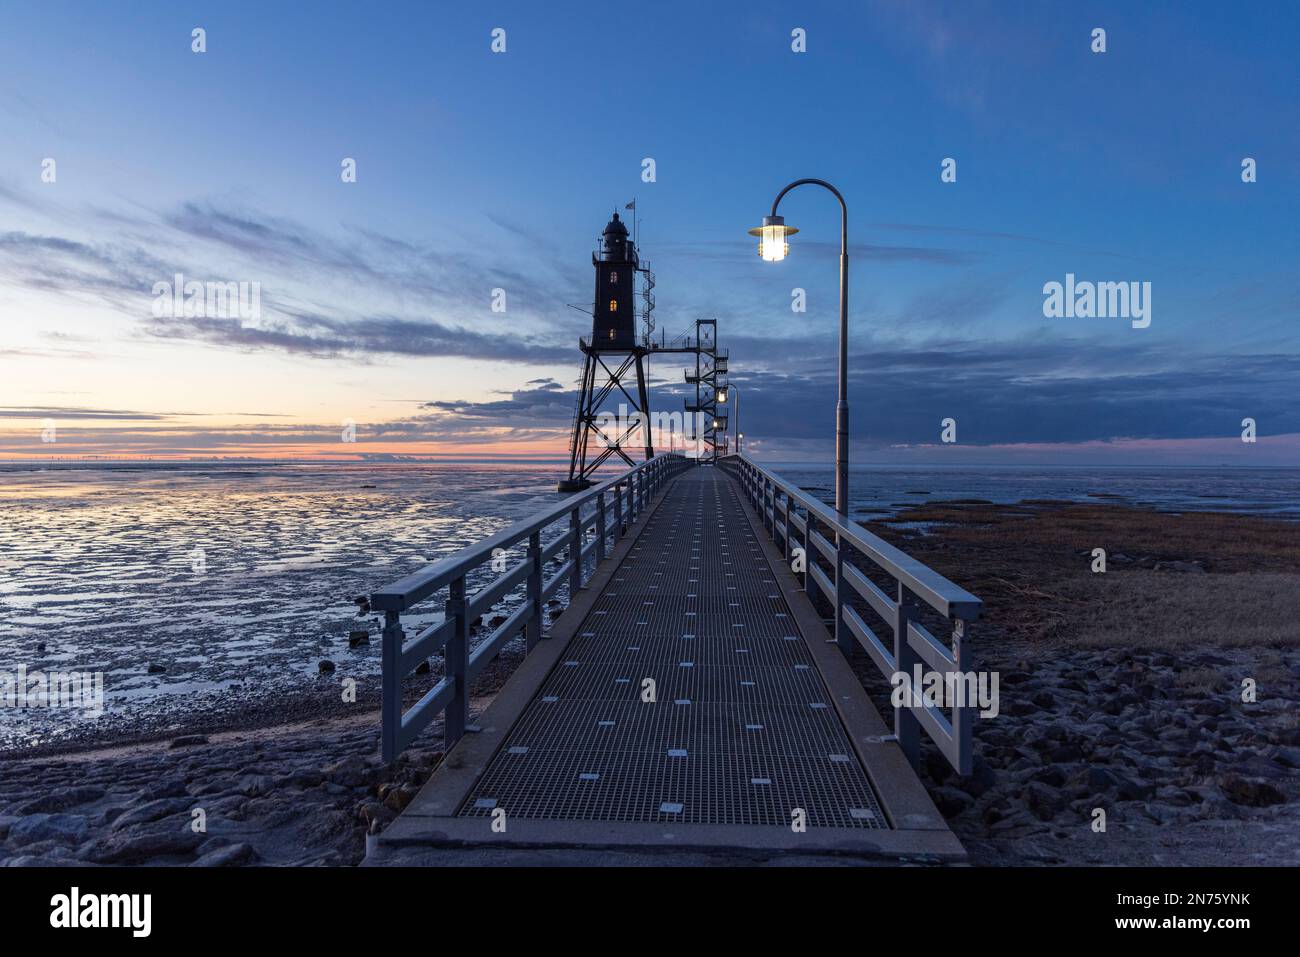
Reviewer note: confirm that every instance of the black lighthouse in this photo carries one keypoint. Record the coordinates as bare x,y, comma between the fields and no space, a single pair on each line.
610,356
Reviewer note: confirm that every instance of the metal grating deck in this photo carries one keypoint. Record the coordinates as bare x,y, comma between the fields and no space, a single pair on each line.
742,731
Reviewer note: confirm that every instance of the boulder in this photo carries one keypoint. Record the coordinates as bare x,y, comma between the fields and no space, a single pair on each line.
142,842
61,828
235,855
61,799
1249,792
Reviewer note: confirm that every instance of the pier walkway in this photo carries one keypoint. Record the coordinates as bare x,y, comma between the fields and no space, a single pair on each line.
690,697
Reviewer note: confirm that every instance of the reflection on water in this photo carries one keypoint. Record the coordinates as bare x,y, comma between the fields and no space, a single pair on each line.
222,577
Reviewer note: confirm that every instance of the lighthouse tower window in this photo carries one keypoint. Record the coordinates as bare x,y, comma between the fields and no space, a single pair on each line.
613,277
613,305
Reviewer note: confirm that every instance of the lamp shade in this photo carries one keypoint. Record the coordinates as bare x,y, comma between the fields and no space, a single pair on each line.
772,236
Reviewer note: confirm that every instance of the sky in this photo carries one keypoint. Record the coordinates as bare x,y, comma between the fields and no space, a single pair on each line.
479,171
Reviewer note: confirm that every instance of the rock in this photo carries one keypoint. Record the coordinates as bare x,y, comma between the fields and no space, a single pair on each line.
1133,789
1043,801
1286,756
1210,706
1249,792
1065,754
61,800
325,667
236,855
496,620
358,638
1219,808
255,785
423,668
301,778
950,801
153,811
1097,780
157,669
188,740
1044,700
40,647
363,604
1163,814
398,798
981,779
351,771
61,828
1053,777
167,788
137,844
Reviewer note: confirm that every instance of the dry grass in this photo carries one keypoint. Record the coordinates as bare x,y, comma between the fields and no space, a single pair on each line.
1224,542
1031,565
1169,611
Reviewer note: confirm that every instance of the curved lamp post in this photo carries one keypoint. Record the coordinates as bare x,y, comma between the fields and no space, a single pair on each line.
772,246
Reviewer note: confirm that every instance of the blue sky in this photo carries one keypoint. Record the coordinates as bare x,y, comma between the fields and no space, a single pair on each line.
479,171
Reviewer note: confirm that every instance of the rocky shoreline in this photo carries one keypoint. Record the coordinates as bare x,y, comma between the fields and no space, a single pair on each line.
1153,731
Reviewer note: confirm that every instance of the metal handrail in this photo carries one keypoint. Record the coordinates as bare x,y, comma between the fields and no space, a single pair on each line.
626,495
821,531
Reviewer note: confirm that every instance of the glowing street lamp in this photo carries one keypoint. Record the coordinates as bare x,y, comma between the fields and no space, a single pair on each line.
772,235
772,246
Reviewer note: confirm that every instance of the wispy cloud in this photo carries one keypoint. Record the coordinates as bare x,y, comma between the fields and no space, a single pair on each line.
319,291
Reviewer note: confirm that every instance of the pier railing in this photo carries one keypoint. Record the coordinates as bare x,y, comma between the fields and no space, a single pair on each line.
592,520
810,532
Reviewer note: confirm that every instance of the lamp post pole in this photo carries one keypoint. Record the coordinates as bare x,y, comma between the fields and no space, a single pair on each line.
842,406
740,437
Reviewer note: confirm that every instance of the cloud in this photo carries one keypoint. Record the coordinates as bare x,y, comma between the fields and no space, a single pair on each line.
73,413
328,296
325,337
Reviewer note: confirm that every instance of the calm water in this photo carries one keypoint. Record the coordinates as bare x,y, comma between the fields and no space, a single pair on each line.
239,579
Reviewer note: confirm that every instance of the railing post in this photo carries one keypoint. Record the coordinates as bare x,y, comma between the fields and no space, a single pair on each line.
907,727
785,519
843,637
534,626
963,718
456,665
808,583
600,527
618,513
391,708
575,552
